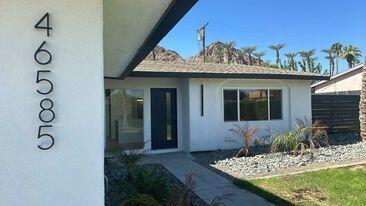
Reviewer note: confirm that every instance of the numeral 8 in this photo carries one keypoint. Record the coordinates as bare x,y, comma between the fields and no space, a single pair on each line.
46,109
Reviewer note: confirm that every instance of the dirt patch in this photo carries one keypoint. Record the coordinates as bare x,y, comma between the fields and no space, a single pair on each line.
313,195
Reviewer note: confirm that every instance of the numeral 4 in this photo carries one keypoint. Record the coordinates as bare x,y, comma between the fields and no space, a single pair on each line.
46,18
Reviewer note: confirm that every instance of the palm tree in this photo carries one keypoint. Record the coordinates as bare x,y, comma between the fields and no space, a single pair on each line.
307,55
259,56
241,57
363,105
229,47
291,60
249,51
351,54
277,49
308,62
337,49
330,56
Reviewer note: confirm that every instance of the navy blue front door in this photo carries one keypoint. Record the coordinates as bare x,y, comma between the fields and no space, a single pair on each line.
163,118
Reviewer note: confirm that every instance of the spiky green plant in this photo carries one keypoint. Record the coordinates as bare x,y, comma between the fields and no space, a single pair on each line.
287,141
305,135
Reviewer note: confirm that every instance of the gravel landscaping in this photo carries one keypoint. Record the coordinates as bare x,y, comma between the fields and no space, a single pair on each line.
268,164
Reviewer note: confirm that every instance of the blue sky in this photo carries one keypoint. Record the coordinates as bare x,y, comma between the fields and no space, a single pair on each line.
303,25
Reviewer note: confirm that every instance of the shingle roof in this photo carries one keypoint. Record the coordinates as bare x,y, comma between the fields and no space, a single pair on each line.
149,68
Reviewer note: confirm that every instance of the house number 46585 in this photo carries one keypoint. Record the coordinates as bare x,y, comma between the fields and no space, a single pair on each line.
46,115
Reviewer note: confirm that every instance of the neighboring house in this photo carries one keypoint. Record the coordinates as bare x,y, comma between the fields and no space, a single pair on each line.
347,82
185,106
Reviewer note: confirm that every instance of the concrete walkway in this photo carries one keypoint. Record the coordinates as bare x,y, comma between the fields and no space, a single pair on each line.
208,184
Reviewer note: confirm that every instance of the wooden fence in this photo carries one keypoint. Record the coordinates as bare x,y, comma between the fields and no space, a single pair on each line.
338,113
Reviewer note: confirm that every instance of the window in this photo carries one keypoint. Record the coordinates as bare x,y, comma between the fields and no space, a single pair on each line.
252,104
276,104
230,105
125,118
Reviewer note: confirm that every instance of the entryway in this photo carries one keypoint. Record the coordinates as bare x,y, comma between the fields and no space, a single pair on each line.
164,118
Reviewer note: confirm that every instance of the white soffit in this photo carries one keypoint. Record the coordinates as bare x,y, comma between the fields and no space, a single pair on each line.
127,24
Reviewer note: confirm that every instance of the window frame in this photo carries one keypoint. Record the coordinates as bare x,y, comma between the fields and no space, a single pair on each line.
238,103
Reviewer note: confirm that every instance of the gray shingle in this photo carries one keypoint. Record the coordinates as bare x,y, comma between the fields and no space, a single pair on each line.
161,67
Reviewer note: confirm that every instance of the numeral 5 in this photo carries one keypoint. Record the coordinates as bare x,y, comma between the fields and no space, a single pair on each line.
45,135
38,80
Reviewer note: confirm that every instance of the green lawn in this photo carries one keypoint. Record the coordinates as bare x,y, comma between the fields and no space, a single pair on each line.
345,186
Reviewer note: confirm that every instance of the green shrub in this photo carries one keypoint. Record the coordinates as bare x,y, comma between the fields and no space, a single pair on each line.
305,135
287,141
138,199
151,183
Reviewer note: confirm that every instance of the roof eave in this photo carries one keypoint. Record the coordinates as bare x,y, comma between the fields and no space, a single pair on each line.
175,12
225,75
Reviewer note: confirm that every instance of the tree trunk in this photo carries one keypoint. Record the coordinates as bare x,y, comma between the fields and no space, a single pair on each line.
350,65
363,106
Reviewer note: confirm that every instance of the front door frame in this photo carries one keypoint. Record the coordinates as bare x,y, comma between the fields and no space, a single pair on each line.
159,119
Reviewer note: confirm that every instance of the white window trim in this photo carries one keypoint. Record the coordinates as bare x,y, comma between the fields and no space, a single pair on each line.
238,103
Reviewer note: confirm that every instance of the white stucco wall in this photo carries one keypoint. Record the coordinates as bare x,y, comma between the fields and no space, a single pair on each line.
70,173
348,82
146,84
210,132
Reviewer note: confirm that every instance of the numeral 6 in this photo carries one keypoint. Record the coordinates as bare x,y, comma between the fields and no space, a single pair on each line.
39,50
45,135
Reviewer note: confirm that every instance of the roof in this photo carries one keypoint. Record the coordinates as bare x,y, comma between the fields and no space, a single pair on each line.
358,67
174,13
149,68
